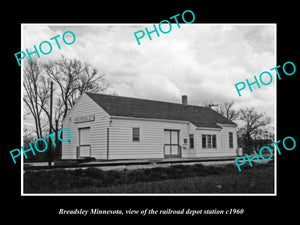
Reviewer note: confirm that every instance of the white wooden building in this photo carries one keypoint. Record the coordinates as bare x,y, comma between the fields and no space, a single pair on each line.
112,127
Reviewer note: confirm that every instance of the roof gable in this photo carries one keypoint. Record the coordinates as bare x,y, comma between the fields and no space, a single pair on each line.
143,108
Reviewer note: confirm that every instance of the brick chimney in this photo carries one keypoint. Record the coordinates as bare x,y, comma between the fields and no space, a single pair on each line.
184,100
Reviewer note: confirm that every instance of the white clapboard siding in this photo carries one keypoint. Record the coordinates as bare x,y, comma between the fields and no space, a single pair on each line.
98,128
118,144
222,139
225,138
152,139
121,145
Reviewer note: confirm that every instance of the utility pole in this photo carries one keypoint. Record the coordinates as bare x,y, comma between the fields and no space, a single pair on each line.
57,142
50,126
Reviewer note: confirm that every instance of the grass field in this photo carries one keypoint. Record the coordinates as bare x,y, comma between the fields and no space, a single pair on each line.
175,179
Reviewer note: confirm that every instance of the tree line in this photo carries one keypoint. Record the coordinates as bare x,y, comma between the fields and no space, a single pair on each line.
252,134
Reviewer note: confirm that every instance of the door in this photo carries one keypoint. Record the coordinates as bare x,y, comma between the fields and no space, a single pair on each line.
84,143
171,143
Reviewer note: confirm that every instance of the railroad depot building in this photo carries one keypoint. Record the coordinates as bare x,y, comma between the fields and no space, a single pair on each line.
110,127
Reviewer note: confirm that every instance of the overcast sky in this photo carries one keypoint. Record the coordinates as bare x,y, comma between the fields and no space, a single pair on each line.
202,61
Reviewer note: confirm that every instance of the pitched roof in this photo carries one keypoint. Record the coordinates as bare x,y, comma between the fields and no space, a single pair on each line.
143,108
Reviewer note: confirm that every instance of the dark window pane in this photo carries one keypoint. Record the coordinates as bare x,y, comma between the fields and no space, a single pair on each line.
230,140
191,141
214,141
136,134
203,141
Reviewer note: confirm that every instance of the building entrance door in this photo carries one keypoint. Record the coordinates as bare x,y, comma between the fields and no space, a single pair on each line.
171,144
84,143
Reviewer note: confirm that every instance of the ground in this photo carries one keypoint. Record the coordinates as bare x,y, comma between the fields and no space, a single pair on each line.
195,178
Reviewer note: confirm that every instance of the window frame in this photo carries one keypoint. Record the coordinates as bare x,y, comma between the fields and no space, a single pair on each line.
204,139
136,137
209,141
214,141
230,139
191,141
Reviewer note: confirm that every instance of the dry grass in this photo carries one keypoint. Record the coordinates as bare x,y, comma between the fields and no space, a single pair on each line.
175,179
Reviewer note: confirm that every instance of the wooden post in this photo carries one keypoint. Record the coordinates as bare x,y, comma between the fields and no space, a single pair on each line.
57,148
50,126
107,144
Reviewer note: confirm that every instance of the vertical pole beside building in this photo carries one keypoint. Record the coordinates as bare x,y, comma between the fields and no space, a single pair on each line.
107,145
50,126
57,148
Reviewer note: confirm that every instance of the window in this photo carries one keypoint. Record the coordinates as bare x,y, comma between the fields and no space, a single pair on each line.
209,141
191,141
230,140
214,141
135,134
203,141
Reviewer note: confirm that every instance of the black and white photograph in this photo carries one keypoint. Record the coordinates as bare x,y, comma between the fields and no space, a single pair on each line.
160,117
149,111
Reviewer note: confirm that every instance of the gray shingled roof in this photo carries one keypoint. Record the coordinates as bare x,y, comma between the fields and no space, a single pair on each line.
143,108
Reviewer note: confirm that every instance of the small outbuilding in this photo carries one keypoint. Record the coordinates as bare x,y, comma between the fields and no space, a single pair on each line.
113,127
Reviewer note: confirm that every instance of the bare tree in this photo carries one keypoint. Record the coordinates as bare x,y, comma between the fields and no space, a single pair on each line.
36,93
73,77
225,109
253,121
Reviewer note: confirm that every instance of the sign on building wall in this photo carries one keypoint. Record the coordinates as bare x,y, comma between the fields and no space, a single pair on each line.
83,119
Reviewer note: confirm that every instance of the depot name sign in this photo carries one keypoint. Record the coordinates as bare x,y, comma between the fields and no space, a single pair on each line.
83,119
